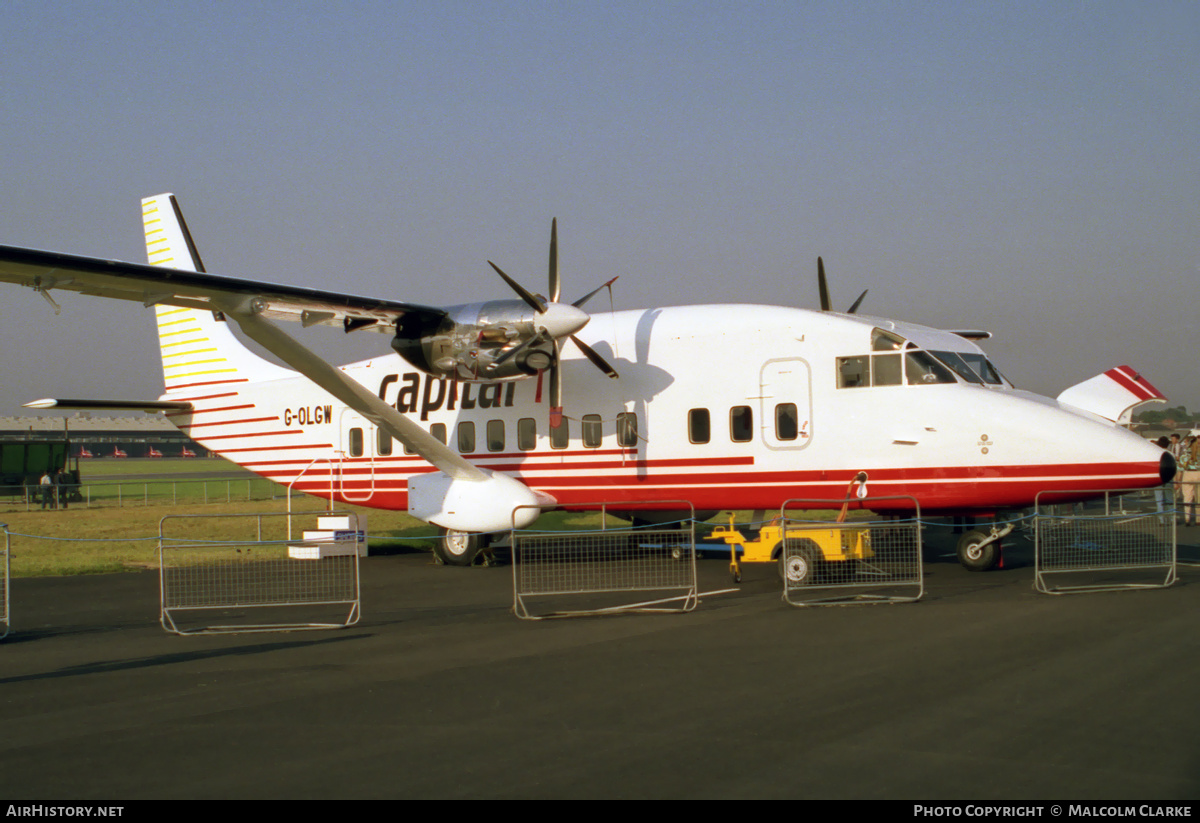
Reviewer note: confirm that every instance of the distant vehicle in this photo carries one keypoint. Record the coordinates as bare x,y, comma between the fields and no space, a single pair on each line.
187,452
118,453
154,452
83,452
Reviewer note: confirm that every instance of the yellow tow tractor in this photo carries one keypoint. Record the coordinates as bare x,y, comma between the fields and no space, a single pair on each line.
816,553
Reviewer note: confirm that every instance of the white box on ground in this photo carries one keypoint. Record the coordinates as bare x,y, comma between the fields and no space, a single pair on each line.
334,537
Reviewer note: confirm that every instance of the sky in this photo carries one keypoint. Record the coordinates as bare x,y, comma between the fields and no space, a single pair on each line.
1028,168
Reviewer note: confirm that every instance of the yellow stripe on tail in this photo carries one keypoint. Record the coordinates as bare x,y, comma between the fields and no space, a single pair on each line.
198,350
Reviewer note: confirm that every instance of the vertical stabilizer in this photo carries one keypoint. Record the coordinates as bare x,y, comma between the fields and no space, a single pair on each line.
197,349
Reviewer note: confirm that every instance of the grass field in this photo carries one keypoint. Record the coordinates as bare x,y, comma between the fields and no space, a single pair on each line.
107,538
103,469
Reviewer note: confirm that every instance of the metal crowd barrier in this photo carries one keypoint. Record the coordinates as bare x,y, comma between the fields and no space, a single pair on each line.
828,563
159,492
1121,539
6,571
234,568
605,571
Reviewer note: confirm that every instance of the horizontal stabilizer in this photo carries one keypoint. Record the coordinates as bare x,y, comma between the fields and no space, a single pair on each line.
1111,394
108,405
971,334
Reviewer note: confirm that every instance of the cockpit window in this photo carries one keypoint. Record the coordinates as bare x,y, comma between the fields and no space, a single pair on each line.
853,372
922,368
954,361
886,370
984,368
897,361
885,341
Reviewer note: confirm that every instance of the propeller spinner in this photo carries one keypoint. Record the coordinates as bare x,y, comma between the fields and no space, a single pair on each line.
553,322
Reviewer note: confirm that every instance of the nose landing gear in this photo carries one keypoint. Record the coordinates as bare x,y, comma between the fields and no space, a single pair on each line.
979,551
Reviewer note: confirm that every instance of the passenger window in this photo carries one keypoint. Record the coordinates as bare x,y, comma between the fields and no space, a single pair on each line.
356,442
853,372
560,437
741,424
787,422
383,443
466,437
526,434
592,430
438,430
699,426
627,429
495,435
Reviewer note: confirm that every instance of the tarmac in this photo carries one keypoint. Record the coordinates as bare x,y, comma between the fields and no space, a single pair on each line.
985,689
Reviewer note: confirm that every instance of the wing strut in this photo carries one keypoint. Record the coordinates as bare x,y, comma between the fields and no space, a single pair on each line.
463,496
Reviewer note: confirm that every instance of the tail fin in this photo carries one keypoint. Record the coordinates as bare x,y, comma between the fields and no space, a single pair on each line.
1113,394
197,348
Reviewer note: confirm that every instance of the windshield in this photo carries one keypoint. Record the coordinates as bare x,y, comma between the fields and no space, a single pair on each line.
971,366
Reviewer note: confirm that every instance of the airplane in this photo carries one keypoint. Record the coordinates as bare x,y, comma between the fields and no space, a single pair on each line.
187,452
702,407
154,452
117,452
83,452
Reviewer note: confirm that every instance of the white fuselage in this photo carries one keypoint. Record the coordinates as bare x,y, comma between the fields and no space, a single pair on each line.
767,380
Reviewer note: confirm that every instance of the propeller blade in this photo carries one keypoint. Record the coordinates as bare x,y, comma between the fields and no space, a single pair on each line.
531,299
515,350
858,302
579,303
555,382
555,285
598,361
825,304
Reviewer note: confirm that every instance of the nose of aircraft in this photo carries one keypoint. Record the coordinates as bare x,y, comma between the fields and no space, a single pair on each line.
1167,467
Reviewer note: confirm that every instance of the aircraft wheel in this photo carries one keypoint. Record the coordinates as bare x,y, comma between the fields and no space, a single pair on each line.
455,548
975,557
801,566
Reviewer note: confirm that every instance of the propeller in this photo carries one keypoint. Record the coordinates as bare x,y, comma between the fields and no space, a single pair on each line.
826,304
555,321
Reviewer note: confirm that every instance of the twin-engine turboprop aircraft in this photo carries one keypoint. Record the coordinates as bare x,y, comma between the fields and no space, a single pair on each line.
712,406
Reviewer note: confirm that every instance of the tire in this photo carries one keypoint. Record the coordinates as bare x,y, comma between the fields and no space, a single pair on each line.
802,566
973,556
455,548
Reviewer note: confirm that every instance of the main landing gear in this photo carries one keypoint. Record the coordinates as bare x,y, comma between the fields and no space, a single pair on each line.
455,548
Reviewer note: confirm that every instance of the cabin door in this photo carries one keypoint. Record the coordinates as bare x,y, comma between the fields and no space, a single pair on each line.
356,459
785,403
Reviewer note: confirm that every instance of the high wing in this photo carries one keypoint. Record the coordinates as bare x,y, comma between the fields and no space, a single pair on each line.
460,496
46,271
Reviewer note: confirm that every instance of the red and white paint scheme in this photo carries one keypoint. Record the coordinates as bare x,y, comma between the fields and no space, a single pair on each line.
722,406
83,452
187,452
117,452
153,452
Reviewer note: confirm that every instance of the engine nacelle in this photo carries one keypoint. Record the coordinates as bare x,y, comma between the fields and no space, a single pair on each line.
465,342
498,503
